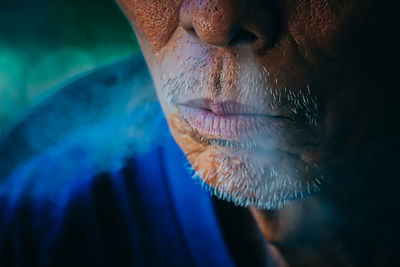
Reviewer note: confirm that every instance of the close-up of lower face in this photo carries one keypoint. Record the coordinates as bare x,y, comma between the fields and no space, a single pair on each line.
256,93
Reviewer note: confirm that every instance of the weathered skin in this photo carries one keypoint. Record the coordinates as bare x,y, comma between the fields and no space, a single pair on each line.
332,47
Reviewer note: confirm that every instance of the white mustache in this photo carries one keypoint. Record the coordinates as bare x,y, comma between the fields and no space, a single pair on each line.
190,80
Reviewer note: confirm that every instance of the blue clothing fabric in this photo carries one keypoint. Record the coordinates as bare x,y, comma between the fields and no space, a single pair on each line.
147,213
95,189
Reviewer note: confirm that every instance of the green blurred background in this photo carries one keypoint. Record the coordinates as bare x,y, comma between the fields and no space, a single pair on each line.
45,42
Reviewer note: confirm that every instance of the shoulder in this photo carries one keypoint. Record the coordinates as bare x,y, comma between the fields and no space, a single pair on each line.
103,98
91,126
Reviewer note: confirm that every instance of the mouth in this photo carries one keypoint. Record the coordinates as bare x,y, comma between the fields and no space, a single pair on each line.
230,121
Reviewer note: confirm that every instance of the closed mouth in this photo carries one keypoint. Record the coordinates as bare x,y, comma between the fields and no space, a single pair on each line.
229,121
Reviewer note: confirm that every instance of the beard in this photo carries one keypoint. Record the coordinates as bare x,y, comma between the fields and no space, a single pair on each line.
245,181
267,170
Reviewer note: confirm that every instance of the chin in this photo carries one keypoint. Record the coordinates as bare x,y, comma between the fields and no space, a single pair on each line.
246,175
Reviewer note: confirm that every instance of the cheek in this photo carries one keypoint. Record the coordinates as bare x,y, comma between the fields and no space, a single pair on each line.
154,20
320,26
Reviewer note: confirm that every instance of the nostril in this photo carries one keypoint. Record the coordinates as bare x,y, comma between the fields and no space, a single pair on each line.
242,37
192,31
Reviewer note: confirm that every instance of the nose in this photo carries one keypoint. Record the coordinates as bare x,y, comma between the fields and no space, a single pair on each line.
230,22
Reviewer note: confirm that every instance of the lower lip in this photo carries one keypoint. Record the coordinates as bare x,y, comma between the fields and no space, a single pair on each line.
227,127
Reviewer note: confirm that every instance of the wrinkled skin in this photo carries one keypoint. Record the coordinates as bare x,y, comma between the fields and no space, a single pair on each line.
338,50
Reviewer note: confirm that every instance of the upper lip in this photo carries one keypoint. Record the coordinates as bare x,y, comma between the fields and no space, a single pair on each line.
228,107
224,107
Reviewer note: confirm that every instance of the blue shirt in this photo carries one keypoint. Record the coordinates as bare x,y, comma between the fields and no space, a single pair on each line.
87,199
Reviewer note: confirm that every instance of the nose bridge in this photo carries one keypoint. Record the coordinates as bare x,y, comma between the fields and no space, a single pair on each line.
228,22
214,21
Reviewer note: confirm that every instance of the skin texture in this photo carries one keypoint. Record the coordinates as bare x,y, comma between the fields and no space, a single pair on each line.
327,52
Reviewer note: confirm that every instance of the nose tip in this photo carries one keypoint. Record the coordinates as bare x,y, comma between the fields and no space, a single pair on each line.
227,22
214,22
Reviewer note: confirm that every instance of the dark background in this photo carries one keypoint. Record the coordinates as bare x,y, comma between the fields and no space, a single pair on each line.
45,42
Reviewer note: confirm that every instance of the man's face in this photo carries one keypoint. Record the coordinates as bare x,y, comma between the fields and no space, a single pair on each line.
255,92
